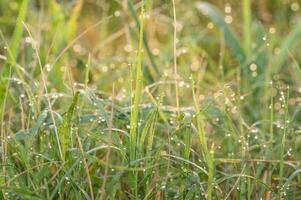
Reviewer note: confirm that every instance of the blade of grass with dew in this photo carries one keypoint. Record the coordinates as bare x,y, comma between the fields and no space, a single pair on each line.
156,115
11,61
14,49
43,79
271,107
135,108
102,192
147,127
296,69
144,38
187,140
152,133
64,131
203,141
85,164
95,101
22,135
230,38
282,146
61,182
138,86
7,70
287,45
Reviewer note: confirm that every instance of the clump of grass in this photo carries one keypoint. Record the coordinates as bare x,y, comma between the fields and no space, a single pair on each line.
212,112
137,93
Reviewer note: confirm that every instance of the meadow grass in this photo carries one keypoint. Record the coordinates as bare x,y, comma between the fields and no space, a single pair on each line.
150,99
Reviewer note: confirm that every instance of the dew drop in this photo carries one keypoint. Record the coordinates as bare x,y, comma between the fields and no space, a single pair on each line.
117,13
295,6
228,19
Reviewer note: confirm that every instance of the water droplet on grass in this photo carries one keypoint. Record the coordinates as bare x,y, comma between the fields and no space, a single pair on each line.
228,9
295,6
228,19
117,13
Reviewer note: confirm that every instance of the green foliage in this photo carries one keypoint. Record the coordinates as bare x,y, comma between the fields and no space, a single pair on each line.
150,99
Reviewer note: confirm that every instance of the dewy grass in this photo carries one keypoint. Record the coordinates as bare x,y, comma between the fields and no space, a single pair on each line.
64,131
137,93
282,191
72,129
134,139
208,157
13,54
13,50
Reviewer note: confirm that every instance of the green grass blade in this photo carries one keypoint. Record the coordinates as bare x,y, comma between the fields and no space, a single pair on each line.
22,135
65,129
148,124
18,32
144,38
230,38
14,51
138,85
247,16
287,45
200,126
202,137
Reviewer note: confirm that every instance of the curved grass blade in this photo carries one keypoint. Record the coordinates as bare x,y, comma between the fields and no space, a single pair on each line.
230,37
93,99
14,49
22,135
288,45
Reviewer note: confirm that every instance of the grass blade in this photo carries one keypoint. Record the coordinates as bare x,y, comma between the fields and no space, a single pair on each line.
230,38
14,51
144,37
202,137
138,85
65,129
288,44
247,16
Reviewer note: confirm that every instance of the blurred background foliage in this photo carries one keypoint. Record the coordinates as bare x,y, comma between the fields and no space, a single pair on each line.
111,44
